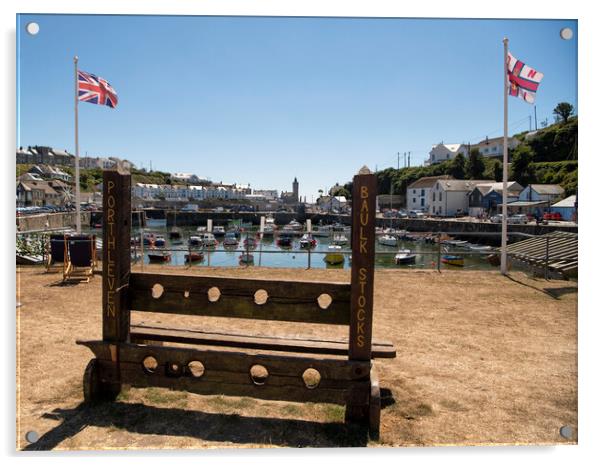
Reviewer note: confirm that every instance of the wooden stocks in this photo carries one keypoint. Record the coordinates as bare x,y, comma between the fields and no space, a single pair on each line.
362,267
117,218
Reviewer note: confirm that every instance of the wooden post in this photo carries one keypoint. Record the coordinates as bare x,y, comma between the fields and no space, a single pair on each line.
363,217
362,269
116,255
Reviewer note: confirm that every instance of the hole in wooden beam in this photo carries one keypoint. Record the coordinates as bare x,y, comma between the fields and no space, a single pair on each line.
324,301
259,374
150,364
196,369
311,378
157,291
261,297
213,294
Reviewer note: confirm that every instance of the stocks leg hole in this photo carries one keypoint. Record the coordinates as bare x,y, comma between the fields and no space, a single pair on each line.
196,369
324,301
150,364
157,291
213,294
259,374
311,378
261,296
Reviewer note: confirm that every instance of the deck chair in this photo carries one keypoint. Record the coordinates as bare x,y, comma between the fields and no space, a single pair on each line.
82,258
57,252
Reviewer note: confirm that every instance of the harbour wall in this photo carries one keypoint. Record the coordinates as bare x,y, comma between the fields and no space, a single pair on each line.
194,219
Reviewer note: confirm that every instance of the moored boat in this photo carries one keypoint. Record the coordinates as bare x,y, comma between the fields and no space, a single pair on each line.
219,231
388,240
175,233
307,241
159,241
404,257
230,240
159,256
455,260
339,239
334,255
193,257
284,240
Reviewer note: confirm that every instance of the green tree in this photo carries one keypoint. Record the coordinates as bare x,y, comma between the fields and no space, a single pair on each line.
522,168
563,111
457,166
475,166
493,170
340,190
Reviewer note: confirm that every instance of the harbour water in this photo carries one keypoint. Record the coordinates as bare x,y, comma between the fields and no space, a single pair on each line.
268,253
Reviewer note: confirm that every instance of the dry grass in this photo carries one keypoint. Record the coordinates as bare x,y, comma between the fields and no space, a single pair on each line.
481,359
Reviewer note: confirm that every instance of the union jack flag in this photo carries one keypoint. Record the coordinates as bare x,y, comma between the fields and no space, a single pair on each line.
94,89
523,80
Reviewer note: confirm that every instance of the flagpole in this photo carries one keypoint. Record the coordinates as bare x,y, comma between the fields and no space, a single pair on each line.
78,220
503,260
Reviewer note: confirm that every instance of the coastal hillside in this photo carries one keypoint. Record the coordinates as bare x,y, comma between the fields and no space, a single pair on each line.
548,156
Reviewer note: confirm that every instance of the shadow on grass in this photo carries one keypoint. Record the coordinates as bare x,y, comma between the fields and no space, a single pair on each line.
555,293
143,419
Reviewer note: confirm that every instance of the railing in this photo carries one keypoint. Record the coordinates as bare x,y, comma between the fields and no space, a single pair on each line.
37,244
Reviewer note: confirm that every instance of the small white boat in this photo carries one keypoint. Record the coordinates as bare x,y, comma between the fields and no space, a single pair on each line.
334,255
293,226
201,229
481,248
339,239
219,231
307,241
388,240
230,240
203,240
454,242
404,257
268,230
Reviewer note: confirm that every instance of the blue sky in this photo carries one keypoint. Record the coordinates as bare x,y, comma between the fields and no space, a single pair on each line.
262,100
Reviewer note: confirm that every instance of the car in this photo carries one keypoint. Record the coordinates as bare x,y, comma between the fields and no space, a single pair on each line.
518,219
415,214
496,218
555,216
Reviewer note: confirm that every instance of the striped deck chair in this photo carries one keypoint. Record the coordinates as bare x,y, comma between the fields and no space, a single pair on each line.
82,258
57,252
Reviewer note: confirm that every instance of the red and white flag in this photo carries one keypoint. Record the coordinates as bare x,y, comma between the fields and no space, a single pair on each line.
523,80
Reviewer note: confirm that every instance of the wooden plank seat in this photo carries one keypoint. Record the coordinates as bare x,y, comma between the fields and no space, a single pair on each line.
306,345
313,369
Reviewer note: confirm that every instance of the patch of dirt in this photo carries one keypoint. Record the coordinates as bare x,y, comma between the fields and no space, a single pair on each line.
481,359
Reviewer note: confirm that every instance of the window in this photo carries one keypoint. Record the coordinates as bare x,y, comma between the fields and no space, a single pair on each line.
422,202
422,192
414,190
441,193
433,196
414,198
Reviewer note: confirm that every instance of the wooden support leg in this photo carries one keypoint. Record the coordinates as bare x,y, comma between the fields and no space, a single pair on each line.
95,390
374,414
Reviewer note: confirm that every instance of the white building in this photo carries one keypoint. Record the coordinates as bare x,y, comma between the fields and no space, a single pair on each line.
188,178
443,152
418,194
450,196
495,147
270,194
